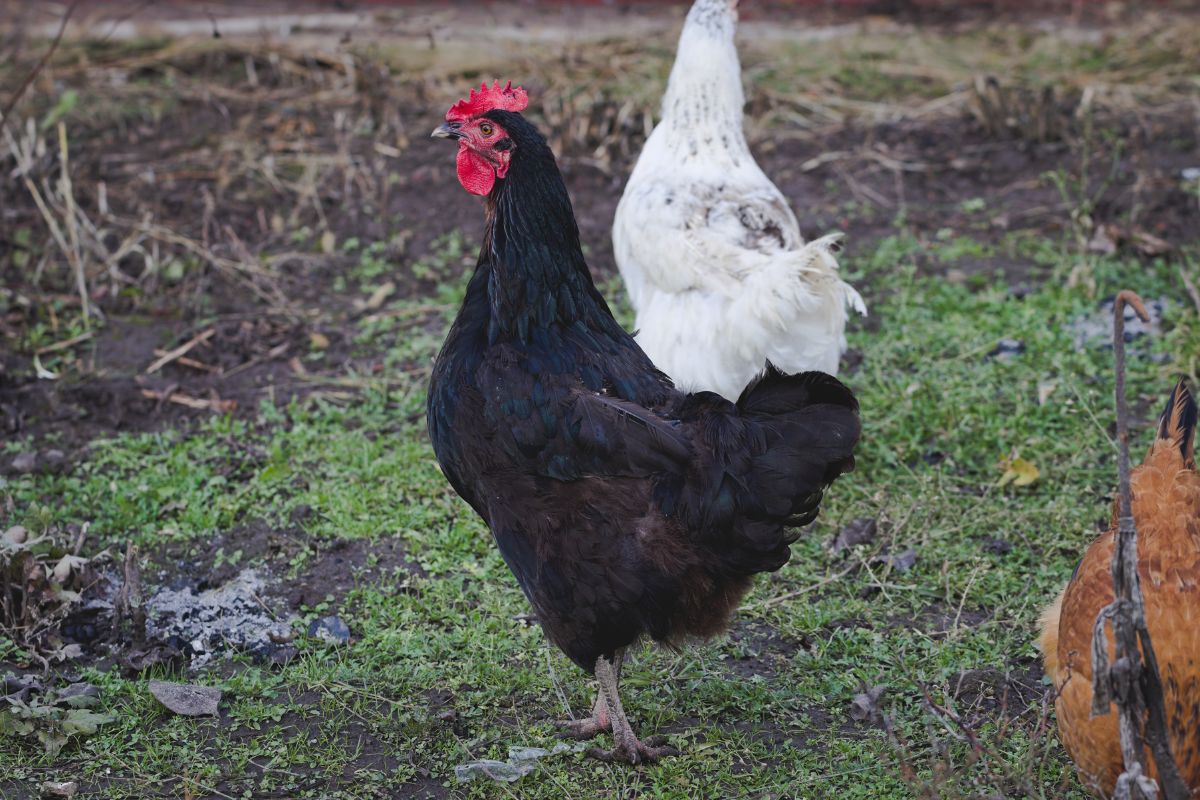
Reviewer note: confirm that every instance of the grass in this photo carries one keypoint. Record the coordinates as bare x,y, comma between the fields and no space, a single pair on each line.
442,670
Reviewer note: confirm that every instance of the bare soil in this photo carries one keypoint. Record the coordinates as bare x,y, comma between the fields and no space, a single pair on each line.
930,172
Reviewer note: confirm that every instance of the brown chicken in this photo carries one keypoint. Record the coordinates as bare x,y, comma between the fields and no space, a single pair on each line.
1166,509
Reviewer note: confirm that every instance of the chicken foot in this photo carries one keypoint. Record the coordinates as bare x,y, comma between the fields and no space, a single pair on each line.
599,721
628,747
590,727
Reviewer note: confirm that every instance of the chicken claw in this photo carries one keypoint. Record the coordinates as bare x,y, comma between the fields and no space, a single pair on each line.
633,751
589,728
628,747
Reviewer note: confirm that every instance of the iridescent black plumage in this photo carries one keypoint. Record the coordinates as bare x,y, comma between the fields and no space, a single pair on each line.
623,506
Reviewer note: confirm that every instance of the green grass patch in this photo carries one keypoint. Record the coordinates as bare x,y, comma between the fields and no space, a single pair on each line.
442,670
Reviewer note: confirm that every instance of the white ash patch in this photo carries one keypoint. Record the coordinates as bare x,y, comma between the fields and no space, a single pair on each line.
222,619
1096,329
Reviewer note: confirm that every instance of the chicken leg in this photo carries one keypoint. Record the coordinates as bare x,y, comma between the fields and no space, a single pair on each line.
599,721
628,747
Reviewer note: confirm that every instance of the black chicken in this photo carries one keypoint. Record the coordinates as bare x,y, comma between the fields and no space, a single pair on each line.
623,506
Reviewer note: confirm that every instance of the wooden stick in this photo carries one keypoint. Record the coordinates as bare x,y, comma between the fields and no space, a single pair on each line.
1136,688
178,398
64,344
171,355
189,362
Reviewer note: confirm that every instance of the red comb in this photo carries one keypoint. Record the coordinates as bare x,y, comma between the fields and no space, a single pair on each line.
506,99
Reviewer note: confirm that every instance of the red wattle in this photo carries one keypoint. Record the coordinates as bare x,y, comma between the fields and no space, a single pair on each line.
475,172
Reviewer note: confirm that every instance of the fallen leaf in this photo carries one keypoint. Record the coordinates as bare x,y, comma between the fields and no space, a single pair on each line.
901,562
79,695
1045,389
857,531
52,740
12,725
138,661
19,687
186,699
378,296
318,341
1018,472
65,566
81,720
60,654
16,535
1104,239
1150,245
865,705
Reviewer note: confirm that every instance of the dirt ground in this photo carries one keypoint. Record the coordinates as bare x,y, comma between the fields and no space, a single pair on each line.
186,168
856,177
222,180
929,170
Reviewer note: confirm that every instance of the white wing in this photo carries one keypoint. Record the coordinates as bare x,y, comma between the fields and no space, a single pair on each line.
722,281
702,236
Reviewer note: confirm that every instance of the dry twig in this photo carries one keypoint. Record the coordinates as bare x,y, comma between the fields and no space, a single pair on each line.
182,350
65,344
186,400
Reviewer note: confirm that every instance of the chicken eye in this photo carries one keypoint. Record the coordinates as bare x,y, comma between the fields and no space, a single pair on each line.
486,129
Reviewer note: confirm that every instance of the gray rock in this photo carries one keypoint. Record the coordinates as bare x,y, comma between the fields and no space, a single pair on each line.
24,462
331,629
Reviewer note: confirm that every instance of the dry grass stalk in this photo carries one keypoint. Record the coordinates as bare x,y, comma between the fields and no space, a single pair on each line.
129,602
182,350
212,404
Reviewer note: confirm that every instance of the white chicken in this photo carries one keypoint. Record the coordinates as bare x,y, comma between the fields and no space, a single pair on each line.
712,256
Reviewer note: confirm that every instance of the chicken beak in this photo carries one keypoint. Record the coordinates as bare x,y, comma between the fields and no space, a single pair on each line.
447,130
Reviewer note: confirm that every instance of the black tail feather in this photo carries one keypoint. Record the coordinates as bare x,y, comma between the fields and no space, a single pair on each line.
1178,422
809,427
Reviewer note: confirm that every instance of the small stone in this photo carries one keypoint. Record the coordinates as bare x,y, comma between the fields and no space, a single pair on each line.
54,461
1006,349
24,462
331,629
282,656
1000,547
59,788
